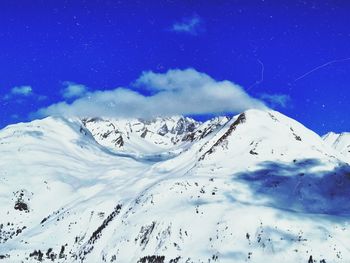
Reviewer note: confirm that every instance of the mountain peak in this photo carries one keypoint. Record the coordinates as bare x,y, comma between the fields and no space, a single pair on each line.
141,135
257,136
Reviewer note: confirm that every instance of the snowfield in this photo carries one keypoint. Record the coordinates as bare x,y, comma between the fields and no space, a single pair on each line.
258,187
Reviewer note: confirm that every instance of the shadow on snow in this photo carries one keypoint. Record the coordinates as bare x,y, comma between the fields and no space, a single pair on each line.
295,187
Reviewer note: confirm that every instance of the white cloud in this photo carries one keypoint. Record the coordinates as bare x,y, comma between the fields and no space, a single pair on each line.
73,90
19,91
276,99
22,90
190,25
174,92
173,79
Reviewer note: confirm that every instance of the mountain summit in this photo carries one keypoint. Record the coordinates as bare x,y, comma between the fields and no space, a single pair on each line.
256,187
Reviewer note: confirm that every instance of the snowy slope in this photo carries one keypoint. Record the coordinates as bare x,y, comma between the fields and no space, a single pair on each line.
255,187
340,142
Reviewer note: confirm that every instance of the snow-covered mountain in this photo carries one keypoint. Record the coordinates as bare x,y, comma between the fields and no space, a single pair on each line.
340,142
150,137
256,187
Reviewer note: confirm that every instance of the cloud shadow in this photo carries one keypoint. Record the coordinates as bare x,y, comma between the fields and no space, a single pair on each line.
297,187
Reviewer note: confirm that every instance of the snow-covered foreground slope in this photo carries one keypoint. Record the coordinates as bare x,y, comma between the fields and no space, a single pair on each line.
340,142
258,187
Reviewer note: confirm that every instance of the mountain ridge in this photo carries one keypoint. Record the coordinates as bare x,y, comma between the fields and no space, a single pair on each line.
260,184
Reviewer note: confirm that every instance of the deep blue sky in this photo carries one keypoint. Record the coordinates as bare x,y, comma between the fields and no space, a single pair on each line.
106,44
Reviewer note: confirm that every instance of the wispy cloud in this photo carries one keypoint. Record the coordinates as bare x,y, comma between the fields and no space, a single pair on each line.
19,91
274,100
189,25
73,90
173,92
22,90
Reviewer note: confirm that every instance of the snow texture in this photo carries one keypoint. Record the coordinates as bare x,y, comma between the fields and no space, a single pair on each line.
257,187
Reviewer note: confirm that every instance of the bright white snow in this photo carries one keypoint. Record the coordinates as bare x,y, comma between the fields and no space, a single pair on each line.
258,187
